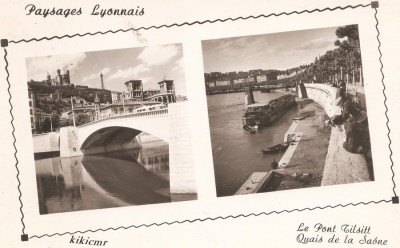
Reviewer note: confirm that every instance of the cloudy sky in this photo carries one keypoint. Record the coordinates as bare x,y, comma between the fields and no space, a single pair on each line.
149,64
270,51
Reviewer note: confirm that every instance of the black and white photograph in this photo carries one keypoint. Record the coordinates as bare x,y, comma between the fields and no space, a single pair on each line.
106,127
287,110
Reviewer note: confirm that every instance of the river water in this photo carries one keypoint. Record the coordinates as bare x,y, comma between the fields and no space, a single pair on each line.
116,179
237,154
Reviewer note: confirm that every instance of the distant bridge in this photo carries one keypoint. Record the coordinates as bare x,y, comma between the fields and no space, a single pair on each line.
241,88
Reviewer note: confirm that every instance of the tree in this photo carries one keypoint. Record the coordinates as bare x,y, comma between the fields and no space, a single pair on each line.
349,49
66,122
81,119
45,126
55,118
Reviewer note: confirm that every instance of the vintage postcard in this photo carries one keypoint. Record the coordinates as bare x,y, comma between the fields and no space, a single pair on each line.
202,124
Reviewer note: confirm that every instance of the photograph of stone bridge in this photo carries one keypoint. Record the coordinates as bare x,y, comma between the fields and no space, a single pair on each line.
290,113
110,132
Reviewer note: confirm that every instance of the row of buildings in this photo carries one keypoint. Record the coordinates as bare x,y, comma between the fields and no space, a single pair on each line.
215,79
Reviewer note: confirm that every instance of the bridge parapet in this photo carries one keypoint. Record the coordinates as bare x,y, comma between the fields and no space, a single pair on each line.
148,114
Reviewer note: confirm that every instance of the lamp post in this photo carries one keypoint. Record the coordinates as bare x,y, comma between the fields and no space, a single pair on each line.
73,112
51,122
123,102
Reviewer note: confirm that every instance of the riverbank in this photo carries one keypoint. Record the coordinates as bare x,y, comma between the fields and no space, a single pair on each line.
306,166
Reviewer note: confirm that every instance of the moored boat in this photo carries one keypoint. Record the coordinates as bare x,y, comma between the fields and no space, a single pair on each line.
263,114
249,129
276,148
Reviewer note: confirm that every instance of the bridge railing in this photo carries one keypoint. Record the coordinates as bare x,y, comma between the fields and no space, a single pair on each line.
147,114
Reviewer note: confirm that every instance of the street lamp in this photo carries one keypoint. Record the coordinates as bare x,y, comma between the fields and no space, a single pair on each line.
51,122
73,112
123,102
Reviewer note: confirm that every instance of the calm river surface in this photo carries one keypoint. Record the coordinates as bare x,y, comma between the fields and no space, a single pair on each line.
124,178
236,153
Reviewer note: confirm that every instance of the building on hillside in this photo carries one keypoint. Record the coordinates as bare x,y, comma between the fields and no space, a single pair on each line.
79,101
59,79
89,110
43,83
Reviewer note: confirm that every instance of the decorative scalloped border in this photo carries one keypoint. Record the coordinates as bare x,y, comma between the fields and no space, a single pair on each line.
4,43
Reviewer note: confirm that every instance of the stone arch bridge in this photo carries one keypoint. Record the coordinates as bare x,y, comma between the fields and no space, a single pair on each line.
113,133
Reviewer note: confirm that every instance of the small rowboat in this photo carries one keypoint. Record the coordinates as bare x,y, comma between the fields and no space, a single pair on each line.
276,148
249,129
300,117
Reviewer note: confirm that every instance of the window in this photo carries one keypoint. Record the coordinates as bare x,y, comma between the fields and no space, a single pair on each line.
30,104
31,111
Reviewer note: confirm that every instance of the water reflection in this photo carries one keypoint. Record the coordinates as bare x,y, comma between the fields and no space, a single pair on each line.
123,178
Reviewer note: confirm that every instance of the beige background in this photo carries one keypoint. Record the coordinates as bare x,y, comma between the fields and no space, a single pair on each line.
263,231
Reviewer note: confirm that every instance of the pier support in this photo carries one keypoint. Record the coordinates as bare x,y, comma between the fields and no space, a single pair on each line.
69,142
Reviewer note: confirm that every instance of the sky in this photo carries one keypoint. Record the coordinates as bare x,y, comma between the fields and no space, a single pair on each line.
269,51
150,64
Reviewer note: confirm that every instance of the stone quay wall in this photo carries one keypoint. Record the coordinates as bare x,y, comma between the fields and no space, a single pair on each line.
341,166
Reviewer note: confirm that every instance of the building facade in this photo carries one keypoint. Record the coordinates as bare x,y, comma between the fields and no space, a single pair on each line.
166,93
32,109
116,96
134,90
37,117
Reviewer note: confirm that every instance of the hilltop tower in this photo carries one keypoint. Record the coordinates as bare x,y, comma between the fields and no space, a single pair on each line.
101,79
59,78
48,80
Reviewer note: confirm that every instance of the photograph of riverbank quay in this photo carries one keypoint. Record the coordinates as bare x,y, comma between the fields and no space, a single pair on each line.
287,110
107,128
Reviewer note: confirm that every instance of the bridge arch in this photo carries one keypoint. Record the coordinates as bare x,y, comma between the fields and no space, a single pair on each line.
121,132
111,138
